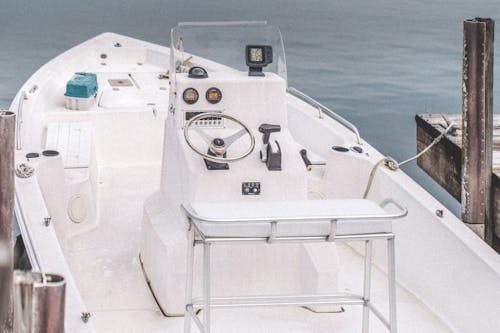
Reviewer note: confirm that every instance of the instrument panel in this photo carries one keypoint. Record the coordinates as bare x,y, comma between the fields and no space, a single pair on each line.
213,122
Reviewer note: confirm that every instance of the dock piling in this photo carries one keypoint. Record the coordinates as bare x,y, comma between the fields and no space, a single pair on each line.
477,125
463,163
7,139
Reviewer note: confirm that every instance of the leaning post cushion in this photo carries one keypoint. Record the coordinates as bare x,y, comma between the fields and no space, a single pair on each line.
296,221
294,218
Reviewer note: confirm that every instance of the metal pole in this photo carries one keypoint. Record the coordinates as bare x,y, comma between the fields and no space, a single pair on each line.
5,283
7,144
39,302
206,287
189,279
391,274
477,118
367,285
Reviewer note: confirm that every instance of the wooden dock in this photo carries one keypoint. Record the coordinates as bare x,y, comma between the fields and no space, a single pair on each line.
466,162
443,162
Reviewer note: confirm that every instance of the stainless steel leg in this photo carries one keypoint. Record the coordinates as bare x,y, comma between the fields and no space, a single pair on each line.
189,280
391,256
367,285
206,287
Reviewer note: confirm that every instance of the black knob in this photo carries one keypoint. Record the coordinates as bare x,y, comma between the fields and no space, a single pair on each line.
218,142
267,129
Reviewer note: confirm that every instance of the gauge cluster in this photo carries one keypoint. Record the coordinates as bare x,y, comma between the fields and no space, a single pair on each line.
213,95
252,99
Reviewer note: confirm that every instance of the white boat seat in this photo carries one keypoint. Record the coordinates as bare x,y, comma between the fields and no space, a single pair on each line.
72,141
295,218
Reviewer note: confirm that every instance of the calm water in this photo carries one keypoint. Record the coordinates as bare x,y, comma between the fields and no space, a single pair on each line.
377,63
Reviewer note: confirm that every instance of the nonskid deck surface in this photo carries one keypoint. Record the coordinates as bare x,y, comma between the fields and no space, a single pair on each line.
106,267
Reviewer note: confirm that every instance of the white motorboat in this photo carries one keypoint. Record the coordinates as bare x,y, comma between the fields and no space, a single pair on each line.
129,154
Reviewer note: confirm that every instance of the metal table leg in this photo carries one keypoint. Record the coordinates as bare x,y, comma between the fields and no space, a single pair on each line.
367,285
189,279
391,273
206,287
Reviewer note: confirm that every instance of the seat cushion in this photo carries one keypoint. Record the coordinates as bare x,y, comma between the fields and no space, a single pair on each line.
311,217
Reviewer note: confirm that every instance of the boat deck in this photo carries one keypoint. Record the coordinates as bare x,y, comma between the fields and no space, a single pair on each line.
106,267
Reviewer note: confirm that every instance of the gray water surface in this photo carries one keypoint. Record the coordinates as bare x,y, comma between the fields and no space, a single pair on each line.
377,63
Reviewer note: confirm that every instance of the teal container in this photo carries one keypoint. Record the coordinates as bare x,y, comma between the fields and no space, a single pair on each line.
82,85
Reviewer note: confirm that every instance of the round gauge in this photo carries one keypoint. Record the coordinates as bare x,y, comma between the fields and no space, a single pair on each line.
190,96
213,95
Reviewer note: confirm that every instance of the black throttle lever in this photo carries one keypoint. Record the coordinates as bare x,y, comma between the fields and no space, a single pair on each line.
268,155
267,129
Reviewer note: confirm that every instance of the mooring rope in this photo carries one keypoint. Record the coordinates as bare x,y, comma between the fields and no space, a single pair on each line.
23,170
393,165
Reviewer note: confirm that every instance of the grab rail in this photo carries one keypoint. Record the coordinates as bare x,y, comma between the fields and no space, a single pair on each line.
321,108
19,119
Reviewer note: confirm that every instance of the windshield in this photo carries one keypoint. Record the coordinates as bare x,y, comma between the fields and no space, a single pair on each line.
220,46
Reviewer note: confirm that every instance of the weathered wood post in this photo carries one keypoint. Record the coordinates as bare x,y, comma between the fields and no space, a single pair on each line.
39,302
7,139
477,125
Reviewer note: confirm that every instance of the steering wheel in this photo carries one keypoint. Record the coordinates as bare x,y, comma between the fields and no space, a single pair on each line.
218,146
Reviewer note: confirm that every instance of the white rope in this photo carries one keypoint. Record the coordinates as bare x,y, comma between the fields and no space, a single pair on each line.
23,170
393,165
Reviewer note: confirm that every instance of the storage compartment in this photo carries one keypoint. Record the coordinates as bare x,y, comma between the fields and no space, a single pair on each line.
81,91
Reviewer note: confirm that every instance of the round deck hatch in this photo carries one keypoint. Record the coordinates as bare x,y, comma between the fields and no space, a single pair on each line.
77,208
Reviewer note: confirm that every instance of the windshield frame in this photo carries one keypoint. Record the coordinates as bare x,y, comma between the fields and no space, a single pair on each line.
174,52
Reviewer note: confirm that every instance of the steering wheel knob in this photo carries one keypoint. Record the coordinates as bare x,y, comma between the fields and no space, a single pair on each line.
218,142
218,146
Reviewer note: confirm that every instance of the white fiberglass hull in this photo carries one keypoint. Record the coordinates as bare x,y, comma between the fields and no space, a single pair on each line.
448,279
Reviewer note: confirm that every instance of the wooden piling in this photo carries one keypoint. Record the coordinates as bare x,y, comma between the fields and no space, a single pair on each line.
467,164
7,140
40,301
477,118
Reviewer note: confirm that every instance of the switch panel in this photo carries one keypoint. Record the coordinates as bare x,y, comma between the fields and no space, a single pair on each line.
250,188
206,122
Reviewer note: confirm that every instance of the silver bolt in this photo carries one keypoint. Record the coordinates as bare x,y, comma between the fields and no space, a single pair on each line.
439,212
85,316
46,221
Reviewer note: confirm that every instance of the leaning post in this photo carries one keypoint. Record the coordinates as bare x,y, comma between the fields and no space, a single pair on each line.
7,139
477,124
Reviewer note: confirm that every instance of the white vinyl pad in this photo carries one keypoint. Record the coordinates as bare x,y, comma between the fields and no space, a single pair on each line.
72,141
313,217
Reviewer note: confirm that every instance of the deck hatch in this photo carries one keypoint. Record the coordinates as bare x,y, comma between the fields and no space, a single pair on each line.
120,83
